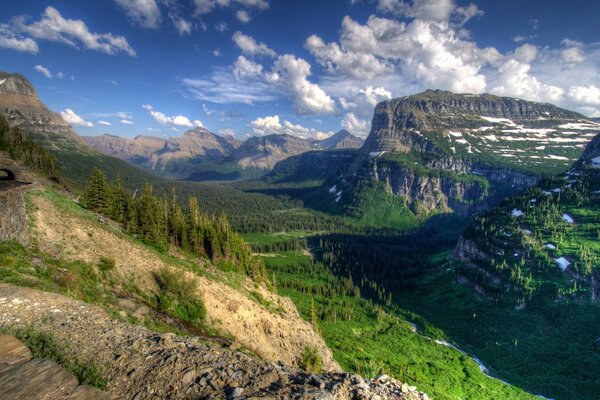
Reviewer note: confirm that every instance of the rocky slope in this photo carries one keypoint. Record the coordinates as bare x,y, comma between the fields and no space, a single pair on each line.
140,364
540,246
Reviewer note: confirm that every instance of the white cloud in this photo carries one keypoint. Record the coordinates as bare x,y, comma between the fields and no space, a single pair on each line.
207,6
250,47
436,10
335,59
216,53
52,26
176,120
515,80
144,13
71,118
363,101
105,123
244,69
572,56
243,16
222,87
43,70
183,26
585,94
9,39
355,125
290,74
271,125
60,75
126,122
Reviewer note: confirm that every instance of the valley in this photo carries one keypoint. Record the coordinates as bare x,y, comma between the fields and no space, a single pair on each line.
382,260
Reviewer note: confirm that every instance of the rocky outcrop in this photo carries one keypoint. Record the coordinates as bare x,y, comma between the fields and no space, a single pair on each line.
22,377
592,150
140,364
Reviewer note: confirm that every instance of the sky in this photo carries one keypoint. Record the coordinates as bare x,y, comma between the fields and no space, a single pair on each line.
306,68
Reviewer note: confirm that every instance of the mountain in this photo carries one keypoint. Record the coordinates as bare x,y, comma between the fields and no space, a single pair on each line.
443,152
540,246
528,136
341,140
21,106
265,151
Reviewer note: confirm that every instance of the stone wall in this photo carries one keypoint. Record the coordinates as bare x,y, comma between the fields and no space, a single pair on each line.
13,215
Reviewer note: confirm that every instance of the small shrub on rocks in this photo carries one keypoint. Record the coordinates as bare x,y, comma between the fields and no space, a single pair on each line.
310,360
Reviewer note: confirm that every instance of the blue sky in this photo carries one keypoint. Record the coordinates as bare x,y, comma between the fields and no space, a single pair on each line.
308,68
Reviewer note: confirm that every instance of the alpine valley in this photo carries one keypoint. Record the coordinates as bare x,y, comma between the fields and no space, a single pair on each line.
450,250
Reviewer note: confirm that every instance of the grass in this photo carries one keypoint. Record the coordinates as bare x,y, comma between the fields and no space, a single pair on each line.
45,345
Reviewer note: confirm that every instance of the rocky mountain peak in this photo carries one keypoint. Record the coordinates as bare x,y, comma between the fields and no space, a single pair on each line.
16,84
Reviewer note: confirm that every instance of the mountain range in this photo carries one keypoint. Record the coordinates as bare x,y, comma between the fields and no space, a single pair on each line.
198,151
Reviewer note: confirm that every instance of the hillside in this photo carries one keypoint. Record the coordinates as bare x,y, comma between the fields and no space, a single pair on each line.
541,246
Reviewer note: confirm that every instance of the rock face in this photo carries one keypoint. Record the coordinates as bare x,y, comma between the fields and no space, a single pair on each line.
24,378
592,150
485,128
141,364
21,106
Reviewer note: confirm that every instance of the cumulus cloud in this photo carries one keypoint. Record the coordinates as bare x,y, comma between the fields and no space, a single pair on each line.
244,68
175,120
290,74
44,71
9,39
243,16
73,32
250,47
334,59
355,125
71,118
271,125
363,101
585,94
144,13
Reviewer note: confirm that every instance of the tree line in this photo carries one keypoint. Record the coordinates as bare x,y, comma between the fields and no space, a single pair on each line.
21,148
161,222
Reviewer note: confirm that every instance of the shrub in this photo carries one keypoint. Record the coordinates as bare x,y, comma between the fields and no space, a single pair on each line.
310,360
106,264
178,297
